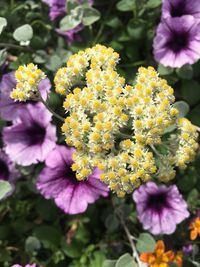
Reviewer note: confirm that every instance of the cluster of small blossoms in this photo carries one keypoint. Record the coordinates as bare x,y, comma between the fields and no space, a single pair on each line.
151,106
103,109
27,77
97,57
166,170
182,146
187,143
124,171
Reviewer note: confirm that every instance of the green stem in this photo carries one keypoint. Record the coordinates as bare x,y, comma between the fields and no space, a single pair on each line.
48,27
124,136
155,150
96,39
13,46
53,112
130,239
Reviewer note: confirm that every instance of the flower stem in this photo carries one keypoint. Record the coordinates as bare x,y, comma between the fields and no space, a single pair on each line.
155,150
14,46
53,112
130,239
124,136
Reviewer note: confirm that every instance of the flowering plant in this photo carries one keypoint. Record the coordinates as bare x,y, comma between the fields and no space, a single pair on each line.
99,157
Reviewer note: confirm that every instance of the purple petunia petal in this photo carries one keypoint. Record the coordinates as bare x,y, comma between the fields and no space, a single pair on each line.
58,181
160,208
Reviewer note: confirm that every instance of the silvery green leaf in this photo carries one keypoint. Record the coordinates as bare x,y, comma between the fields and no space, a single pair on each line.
145,243
23,34
126,261
182,107
69,22
90,16
5,189
3,24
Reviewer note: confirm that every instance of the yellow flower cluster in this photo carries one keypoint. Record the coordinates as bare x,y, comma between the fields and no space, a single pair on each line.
102,110
151,106
115,126
187,143
71,75
28,78
181,150
125,171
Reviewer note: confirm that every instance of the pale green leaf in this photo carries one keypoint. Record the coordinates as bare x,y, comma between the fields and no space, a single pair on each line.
126,261
90,16
109,263
145,243
182,107
5,188
23,33
3,24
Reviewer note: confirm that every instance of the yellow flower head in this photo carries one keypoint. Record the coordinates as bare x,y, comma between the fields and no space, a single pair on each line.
28,78
115,126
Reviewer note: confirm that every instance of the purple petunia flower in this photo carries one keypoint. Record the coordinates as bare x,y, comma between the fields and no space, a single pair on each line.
187,249
8,171
71,35
57,8
160,208
32,137
58,181
8,108
178,8
177,41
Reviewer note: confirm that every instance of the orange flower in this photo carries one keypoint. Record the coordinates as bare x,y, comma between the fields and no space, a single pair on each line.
195,228
160,258
178,259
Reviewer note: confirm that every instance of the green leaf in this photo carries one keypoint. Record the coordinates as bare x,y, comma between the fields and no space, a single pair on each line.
90,16
185,72
97,260
71,5
111,223
113,22
145,243
191,92
32,244
23,33
72,250
48,235
182,107
5,188
126,5
153,3
109,263
172,264
69,22
136,29
164,70
54,62
3,24
3,56
126,261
